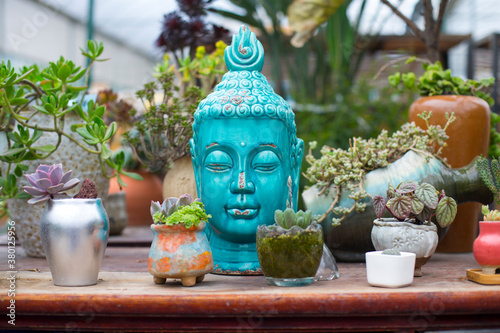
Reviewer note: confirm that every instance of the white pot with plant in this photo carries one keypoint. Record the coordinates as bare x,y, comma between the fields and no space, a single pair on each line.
410,229
390,268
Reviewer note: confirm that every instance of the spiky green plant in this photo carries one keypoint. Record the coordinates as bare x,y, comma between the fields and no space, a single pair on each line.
490,175
392,252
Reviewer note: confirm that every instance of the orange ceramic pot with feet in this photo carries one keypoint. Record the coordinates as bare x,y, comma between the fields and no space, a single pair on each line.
468,137
181,253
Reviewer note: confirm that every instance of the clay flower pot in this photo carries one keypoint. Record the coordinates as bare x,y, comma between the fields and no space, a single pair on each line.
178,252
469,137
391,271
486,248
388,233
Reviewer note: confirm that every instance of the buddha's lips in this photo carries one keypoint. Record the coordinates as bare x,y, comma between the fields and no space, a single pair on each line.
242,213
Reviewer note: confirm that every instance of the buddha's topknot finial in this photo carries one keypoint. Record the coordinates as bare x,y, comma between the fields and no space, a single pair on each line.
245,52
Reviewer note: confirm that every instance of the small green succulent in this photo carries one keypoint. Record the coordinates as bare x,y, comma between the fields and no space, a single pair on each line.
391,252
289,218
182,210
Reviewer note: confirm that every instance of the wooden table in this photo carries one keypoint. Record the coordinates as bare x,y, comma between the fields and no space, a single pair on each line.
127,299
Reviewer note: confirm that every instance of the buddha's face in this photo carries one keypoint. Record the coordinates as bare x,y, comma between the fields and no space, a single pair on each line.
242,168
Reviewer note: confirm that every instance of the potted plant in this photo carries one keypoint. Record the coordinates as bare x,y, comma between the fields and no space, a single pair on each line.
472,134
290,250
180,248
343,179
486,246
44,115
74,231
390,268
410,229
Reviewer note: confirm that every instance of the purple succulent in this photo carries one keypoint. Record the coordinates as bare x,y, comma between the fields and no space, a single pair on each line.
171,205
49,182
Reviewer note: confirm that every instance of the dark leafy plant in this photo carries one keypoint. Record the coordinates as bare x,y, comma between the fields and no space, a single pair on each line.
186,29
53,92
410,200
49,182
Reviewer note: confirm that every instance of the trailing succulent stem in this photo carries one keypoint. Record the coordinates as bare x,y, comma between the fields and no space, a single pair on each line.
341,170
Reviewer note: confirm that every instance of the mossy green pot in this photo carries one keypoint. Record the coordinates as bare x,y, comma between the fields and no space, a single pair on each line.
289,257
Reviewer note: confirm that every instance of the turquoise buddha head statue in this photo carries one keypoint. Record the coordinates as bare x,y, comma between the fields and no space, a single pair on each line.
246,156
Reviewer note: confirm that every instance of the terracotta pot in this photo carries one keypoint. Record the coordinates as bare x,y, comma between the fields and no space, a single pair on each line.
180,253
468,137
180,179
486,247
138,196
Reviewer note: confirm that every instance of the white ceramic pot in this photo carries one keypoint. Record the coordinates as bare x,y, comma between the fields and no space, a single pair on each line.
391,271
422,240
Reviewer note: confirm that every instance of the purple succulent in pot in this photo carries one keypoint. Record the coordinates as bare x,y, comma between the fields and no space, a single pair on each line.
49,182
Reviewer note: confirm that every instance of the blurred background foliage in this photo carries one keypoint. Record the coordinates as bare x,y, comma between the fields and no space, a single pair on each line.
333,98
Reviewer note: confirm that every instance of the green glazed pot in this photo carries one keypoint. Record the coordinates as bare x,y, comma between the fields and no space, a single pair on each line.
352,239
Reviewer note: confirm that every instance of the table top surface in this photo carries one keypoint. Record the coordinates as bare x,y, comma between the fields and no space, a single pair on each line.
443,297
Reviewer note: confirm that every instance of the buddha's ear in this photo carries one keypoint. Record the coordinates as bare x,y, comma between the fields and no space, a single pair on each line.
196,166
299,154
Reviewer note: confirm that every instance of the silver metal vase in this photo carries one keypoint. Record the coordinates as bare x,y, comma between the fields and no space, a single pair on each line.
74,235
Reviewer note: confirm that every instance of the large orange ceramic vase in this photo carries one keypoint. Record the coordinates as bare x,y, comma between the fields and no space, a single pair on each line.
468,138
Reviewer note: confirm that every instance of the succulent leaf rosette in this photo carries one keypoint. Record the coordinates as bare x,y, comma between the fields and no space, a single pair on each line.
49,182
182,210
417,203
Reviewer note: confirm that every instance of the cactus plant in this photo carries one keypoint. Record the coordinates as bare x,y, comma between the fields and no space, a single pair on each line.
49,182
289,218
183,210
491,177
420,202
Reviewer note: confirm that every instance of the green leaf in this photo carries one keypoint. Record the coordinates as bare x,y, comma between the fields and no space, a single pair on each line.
84,132
400,207
105,152
408,79
18,101
446,211
46,148
13,151
64,72
427,194
417,206
132,175
395,79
